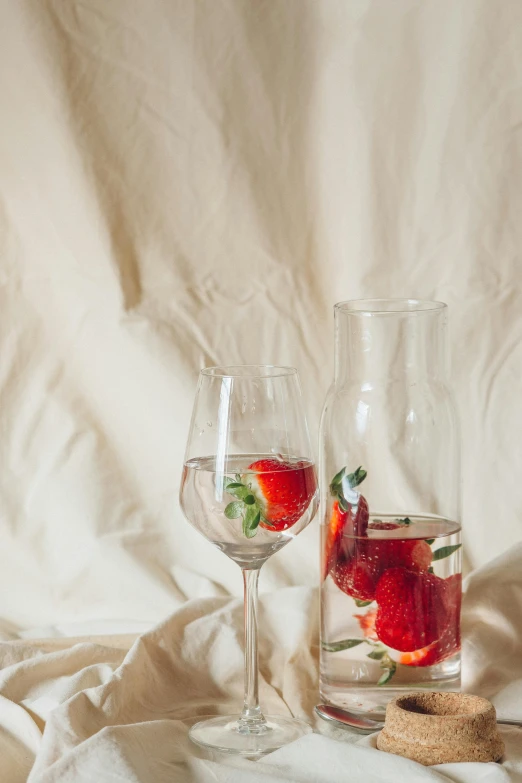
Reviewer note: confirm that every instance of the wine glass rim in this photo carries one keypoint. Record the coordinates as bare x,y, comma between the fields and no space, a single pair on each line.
248,371
400,306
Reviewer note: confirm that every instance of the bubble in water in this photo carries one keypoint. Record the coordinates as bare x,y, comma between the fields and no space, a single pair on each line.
201,432
209,424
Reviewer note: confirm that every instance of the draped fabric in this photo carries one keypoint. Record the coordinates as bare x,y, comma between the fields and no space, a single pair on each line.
191,182
91,709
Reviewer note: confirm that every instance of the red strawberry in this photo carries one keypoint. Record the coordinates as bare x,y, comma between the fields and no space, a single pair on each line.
339,542
336,526
349,516
367,624
436,652
361,516
426,656
453,596
377,524
449,642
358,574
412,611
412,554
283,490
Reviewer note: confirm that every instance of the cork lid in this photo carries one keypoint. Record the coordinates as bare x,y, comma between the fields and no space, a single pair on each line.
439,728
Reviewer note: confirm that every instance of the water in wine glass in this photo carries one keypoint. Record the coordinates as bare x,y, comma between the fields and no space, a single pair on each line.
249,505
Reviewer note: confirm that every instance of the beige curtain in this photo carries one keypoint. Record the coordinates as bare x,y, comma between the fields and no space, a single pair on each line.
188,182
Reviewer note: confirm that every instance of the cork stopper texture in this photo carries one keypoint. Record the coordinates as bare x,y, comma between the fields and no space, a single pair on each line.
440,728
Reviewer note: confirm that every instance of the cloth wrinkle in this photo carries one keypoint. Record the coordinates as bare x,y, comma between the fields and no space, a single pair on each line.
133,708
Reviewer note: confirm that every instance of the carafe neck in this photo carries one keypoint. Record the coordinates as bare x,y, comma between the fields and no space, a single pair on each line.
380,341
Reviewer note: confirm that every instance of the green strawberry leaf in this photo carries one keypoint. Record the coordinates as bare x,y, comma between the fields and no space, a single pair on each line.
248,532
431,570
445,551
251,512
360,604
430,541
376,655
336,482
234,510
245,506
251,522
357,477
343,505
252,518
389,668
405,521
238,491
336,485
238,478
385,676
345,644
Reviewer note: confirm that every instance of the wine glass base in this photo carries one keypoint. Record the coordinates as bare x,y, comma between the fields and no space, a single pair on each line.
222,734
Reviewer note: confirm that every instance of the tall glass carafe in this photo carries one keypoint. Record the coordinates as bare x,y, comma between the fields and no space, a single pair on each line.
390,515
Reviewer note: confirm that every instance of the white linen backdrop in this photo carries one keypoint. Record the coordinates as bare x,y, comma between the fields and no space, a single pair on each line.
191,182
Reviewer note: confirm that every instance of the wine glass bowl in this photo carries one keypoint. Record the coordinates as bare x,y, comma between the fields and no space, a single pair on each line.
214,502
249,486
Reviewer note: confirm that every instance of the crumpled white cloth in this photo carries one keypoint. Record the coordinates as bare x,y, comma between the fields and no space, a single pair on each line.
195,182
96,712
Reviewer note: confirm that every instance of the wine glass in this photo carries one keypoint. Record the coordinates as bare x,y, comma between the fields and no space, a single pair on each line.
249,486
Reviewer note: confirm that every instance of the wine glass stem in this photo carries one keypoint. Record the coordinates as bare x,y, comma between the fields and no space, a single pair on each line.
252,720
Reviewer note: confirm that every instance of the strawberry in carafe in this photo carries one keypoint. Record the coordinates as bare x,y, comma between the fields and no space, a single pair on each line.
391,595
